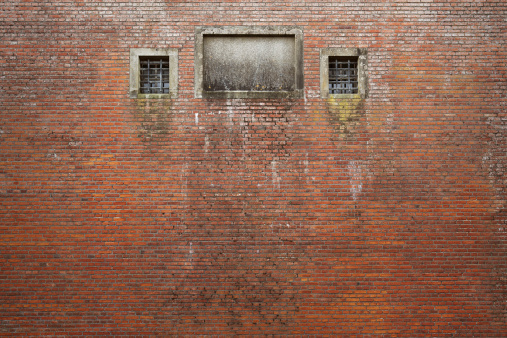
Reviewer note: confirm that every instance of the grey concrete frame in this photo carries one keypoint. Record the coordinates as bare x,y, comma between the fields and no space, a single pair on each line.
135,53
267,31
362,66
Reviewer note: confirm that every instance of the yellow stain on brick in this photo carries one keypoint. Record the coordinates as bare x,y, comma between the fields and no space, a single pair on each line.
345,111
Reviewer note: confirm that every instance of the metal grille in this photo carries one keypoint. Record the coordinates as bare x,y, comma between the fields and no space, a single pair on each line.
154,75
343,75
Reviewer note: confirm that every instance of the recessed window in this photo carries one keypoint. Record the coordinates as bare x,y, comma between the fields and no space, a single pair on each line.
343,72
153,72
249,62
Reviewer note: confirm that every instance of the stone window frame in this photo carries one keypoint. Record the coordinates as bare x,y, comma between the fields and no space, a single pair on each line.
295,31
362,66
135,53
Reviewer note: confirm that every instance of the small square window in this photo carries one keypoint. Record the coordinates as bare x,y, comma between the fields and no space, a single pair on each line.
153,72
343,72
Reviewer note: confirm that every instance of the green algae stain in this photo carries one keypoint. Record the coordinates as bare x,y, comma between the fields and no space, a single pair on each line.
153,117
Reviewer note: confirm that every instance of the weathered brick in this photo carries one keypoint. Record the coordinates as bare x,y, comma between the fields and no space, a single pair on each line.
307,216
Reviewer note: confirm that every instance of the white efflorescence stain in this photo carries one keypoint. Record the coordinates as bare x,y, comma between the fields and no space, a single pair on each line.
190,263
355,173
196,118
184,182
306,163
275,177
53,156
206,143
230,115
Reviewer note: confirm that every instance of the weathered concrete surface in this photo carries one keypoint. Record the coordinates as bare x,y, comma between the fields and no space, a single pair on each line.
260,63
249,62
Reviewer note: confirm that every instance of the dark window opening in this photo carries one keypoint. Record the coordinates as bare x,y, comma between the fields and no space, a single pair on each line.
343,75
154,74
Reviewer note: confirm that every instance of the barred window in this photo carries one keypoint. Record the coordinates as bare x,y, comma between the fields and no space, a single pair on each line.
154,74
343,75
343,72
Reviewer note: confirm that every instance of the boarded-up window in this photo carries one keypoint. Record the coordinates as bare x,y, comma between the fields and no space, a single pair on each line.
249,62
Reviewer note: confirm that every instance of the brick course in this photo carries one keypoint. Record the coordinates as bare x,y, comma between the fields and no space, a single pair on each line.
382,217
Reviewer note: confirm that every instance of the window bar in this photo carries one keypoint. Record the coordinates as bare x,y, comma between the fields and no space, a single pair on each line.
349,83
161,89
149,83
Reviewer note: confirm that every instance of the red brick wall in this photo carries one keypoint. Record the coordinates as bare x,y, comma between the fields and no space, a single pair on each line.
306,216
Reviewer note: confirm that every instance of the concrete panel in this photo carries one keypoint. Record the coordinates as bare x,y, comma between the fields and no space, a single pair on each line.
250,63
